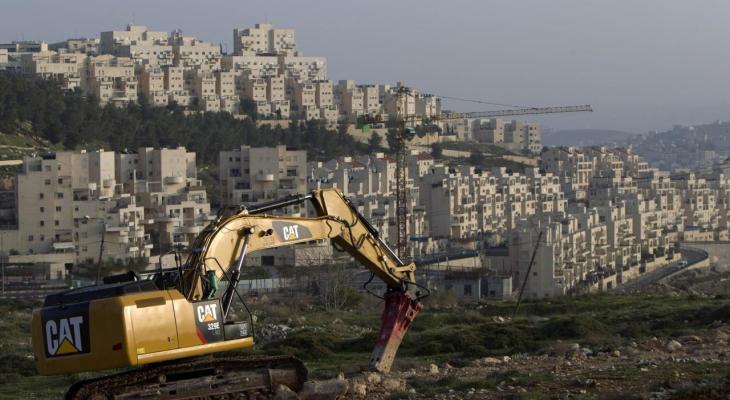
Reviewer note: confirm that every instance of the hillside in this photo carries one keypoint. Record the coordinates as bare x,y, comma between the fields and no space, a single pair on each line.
584,137
684,146
70,120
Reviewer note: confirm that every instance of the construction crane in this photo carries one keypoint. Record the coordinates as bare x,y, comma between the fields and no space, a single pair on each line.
519,111
403,120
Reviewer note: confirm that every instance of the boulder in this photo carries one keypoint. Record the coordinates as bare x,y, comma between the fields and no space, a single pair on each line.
394,384
358,389
374,377
673,345
433,369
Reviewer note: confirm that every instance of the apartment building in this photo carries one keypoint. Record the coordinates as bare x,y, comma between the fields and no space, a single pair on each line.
572,167
89,46
263,39
191,53
186,64
136,203
302,68
350,100
152,85
116,42
254,65
24,46
256,174
516,136
66,201
251,175
164,182
370,182
65,68
110,79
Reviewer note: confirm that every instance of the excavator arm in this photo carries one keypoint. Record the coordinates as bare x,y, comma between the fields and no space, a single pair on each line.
221,249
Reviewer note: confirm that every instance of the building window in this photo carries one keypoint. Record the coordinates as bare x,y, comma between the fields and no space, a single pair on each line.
43,223
55,222
30,238
58,209
59,195
43,209
48,182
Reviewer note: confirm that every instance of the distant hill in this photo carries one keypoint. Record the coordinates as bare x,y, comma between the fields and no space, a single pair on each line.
584,137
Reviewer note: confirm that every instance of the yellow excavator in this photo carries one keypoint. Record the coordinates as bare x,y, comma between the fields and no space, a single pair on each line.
169,324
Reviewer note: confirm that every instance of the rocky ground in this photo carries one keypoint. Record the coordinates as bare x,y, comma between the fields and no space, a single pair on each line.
690,367
667,343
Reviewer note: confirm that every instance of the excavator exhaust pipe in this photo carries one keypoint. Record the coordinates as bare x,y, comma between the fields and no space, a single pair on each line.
398,314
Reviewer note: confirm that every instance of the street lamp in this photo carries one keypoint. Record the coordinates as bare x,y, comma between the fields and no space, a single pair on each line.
101,246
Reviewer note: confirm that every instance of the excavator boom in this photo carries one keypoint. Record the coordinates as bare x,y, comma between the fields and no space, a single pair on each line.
337,219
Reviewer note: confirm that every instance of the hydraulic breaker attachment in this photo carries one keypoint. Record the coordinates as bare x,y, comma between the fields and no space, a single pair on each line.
400,310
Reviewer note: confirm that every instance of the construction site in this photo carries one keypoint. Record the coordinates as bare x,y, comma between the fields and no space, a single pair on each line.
190,219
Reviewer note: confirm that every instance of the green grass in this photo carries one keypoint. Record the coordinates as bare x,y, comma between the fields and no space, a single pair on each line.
333,342
16,146
17,140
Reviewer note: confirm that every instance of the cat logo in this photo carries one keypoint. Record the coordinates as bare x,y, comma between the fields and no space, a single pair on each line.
207,312
63,336
291,232
207,322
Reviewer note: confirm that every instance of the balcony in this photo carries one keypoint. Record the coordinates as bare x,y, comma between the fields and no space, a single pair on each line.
264,177
174,180
62,246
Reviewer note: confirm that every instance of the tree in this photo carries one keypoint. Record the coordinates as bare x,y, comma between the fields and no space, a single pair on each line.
476,157
437,150
75,121
394,142
248,107
374,142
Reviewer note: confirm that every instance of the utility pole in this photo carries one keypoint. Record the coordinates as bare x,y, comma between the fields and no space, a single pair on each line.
401,188
2,261
101,251
527,275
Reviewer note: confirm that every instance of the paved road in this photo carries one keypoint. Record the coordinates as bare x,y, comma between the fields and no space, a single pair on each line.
654,276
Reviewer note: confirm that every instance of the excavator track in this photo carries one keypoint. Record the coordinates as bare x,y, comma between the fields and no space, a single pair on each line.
199,378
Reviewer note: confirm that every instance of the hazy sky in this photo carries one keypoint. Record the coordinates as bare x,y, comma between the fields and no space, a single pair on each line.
642,64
